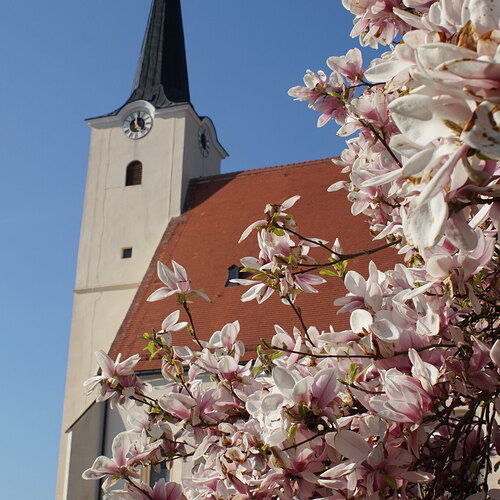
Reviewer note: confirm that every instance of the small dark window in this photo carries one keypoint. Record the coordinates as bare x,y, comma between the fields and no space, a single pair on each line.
234,272
133,176
126,253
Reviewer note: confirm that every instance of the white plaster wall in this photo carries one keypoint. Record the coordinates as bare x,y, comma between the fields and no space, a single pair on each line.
116,216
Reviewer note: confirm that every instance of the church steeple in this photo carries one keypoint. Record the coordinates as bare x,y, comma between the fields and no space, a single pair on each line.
161,76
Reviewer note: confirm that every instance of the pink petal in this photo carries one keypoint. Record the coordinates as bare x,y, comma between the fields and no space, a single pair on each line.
351,445
106,363
170,320
159,294
325,386
120,448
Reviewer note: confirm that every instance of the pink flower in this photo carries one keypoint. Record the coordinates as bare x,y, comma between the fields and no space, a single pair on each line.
276,217
141,491
324,95
349,65
405,400
170,325
121,465
175,281
117,380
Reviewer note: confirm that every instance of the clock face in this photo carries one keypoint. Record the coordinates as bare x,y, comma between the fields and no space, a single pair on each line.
137,124
203,142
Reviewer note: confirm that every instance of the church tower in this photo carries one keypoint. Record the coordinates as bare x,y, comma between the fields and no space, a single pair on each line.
142,157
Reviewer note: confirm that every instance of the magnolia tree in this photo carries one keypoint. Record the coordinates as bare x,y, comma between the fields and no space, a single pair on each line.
404,404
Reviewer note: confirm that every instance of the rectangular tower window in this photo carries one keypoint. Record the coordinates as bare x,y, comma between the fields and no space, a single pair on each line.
126,253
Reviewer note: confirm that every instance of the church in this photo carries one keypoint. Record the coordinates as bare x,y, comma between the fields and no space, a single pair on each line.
155,192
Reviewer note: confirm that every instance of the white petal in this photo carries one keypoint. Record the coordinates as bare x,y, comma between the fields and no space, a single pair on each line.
180,272
418,162
203,295
183,352
178,326
283,379
460,233
252,292
165,274
351,445
106,363
250,228
384,71
431,55
120,448
290,202
495,353
385,330
355,283
360,319
336,186
426,222
379,180
420,118
227,364
170,320
484,14
272,403
250,262
159,294
302,387
441,178
483,131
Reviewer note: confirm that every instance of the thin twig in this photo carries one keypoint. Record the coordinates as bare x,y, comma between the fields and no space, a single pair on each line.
381,139
191,321
299,315
349,256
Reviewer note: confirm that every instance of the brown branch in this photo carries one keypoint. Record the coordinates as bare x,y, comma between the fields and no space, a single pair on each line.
192,330
349,256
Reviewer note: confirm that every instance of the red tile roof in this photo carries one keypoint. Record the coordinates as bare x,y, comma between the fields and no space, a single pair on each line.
204,239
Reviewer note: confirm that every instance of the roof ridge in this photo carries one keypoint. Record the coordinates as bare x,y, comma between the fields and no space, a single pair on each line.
262,170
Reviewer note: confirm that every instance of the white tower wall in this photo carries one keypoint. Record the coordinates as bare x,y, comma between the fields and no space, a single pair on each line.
116,216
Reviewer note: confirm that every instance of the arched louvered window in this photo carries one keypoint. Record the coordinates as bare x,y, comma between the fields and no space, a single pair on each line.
134,174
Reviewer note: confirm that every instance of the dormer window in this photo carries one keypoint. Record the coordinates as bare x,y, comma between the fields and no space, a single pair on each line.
234,272
133,177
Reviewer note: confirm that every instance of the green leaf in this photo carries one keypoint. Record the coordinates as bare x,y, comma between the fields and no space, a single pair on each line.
327,272
257,370
302,409
389,480
353,370
275,355
265,343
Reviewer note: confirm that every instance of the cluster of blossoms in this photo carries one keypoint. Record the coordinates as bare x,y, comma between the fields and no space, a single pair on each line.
405,403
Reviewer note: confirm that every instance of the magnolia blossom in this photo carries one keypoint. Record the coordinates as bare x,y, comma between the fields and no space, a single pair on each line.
117,380
123,464
280,258
170,325
175,281
404,403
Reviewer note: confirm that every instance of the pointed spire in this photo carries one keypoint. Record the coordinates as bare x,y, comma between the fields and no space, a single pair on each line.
161,76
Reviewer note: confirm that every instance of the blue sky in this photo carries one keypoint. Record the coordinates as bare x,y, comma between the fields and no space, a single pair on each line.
65,61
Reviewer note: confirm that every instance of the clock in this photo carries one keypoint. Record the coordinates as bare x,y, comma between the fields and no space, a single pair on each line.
203,142
137,124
